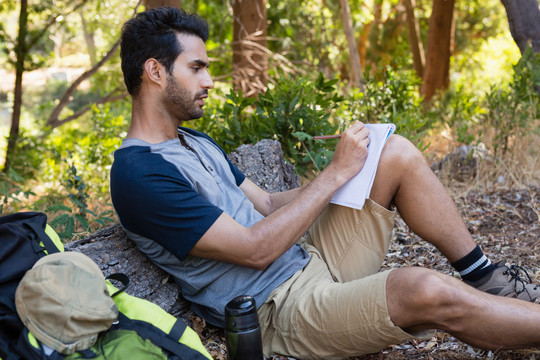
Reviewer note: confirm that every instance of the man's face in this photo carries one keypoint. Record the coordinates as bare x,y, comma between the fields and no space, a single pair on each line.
188,85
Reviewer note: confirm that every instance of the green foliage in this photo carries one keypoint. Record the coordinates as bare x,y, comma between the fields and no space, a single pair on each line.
478,20
35,42
314,22
291,111
513,111
294,111
498,117
461,112
29,156
77,189
11,188
69,221
218,15
89,148
77,161
393,99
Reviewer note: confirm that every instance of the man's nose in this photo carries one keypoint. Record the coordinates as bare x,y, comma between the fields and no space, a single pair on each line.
207,82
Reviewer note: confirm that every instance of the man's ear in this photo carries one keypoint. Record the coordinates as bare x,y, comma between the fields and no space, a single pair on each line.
154,71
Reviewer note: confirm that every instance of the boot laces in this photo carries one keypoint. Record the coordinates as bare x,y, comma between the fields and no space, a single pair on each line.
514,272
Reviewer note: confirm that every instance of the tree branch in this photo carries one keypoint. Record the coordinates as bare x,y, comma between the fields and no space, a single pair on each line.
53,119
32,41
65,100
112,96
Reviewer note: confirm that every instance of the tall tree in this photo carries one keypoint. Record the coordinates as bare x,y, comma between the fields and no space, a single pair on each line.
415,41
250,46
21,53
356,67
375,33
21,59
439,48
524,21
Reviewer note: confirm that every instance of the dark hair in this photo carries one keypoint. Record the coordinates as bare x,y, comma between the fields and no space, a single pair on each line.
153,34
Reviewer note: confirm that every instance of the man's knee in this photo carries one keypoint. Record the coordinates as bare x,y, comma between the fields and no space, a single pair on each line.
418,296
399,150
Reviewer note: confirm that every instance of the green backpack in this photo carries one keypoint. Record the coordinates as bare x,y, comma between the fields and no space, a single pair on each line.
143,330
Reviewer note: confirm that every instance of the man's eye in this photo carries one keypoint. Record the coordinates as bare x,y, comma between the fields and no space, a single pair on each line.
196,68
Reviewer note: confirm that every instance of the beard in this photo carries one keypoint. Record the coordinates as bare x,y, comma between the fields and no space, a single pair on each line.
180,102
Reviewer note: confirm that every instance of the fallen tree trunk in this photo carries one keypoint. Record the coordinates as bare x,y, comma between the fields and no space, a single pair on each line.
111,249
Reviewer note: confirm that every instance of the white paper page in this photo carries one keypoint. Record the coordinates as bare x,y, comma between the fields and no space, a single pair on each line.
355,192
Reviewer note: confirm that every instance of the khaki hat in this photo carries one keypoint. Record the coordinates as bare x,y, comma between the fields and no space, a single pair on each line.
63,300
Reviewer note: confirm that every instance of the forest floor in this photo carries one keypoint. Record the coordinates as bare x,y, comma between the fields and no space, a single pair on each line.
504,221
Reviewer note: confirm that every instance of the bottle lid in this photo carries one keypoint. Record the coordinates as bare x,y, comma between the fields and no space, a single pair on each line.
241,313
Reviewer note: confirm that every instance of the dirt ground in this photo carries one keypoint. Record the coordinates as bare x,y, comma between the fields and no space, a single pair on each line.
504,221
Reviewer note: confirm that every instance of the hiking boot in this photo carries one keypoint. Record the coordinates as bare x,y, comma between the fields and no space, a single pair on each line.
510,281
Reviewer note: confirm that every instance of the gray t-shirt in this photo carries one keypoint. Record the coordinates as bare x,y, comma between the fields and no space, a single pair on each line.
167,196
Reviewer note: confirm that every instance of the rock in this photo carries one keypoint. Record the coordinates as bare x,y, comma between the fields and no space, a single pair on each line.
111,249
263,164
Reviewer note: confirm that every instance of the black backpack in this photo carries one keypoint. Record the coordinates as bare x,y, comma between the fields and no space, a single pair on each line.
19,249
24,238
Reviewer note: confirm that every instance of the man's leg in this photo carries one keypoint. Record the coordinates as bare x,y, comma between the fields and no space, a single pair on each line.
353,243
420,298
405,180
311,316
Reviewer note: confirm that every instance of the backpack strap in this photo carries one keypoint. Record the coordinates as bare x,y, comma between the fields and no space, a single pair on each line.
178,329
163,329
38,227
122,278
160,338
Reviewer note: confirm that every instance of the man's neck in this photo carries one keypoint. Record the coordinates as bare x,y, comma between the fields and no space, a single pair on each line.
151,124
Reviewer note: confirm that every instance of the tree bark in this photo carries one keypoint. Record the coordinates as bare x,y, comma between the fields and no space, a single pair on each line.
415,41
439,45
362,43
250,46
524,22
21,53
151,4
375,33
356,67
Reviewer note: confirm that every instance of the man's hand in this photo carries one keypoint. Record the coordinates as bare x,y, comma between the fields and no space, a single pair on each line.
351,151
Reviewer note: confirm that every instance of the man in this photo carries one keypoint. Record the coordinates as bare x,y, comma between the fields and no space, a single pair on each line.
196,216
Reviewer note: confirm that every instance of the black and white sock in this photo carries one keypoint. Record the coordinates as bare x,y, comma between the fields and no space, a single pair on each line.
474,265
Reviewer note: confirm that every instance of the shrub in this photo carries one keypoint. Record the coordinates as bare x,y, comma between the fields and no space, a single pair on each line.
513,112
393,99
291,111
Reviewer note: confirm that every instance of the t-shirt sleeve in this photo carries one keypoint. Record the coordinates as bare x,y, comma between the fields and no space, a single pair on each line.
154,200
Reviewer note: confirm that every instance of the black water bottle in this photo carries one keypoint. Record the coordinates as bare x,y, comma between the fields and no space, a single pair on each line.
242,330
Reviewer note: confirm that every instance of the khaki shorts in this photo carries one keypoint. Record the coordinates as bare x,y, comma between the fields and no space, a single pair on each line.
336,306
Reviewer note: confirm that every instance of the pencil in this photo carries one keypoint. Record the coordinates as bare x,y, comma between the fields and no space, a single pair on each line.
322,137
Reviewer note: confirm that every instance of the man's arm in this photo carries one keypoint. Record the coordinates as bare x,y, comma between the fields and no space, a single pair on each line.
289,215
267,203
